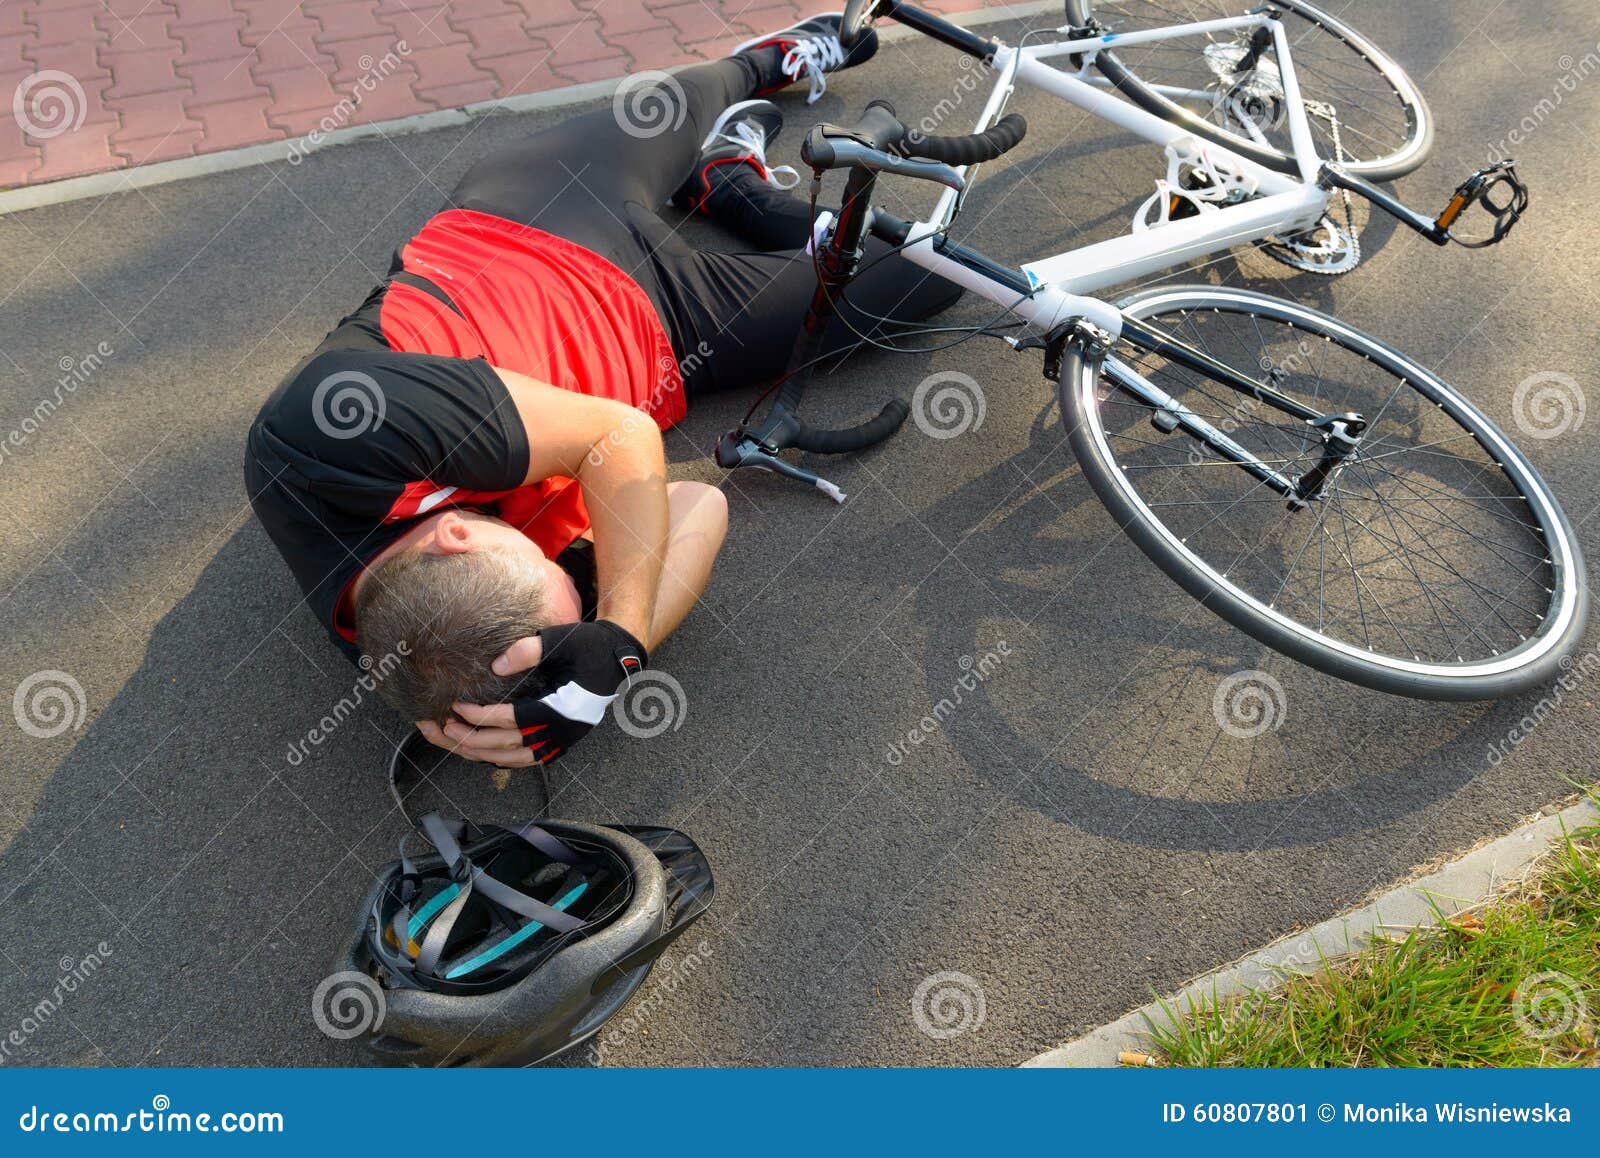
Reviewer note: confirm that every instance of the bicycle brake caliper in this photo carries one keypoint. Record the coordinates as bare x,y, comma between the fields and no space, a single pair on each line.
1095,342
1341,436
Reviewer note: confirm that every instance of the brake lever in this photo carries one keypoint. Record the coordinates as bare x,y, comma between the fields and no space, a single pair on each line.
737,449
821,151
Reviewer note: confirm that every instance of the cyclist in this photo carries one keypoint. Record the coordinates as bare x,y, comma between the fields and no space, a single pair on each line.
466,470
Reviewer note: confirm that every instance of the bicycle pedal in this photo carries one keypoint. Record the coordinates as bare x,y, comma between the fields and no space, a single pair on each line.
1499,178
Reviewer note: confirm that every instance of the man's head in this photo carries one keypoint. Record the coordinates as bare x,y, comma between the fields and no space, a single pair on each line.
456,591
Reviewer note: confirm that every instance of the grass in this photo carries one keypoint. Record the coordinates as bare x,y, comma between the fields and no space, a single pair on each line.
1514,982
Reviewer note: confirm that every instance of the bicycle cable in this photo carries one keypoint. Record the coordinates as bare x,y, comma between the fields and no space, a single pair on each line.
868,339
970,332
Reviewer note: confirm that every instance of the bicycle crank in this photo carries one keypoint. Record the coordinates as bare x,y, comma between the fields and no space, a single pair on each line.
1326,248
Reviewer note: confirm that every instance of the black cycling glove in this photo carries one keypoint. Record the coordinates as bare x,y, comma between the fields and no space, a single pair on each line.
583,664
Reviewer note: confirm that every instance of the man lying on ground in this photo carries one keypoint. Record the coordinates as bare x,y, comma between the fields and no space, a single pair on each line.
467,478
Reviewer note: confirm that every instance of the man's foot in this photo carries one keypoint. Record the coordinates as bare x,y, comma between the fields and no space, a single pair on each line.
810,50
740,136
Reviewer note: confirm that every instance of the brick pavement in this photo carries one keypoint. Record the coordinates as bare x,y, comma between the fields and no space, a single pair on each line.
98,85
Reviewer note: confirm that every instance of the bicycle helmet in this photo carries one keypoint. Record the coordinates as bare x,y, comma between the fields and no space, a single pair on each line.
509,944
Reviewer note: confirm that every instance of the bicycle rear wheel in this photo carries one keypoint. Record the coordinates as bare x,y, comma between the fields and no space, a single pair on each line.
1436,562
1384,128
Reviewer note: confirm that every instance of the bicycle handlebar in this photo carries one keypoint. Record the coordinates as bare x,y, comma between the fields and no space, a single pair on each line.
859,437
878,126
877,143
879,140
1000,137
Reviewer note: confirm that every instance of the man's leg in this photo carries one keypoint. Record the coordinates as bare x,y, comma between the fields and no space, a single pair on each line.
643,147
760,214
640,149
737,314
594,182
755,304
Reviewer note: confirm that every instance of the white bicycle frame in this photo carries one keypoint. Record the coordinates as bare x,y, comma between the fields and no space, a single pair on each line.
1062,282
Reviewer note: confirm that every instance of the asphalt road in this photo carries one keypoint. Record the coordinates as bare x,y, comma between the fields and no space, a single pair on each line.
1074,836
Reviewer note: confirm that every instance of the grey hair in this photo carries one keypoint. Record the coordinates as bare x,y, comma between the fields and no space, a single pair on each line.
449,616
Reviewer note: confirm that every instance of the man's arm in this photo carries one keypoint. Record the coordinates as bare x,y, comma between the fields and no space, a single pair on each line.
614,451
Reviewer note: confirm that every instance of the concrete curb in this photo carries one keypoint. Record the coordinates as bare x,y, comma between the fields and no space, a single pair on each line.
1459,885
160,173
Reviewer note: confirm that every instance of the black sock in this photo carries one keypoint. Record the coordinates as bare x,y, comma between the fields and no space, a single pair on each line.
742,200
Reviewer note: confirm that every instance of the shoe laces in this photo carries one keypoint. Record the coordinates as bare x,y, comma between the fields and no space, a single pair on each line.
812,59
748,136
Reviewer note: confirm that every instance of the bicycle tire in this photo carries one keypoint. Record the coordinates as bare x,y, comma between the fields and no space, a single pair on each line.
1542,656
1404,159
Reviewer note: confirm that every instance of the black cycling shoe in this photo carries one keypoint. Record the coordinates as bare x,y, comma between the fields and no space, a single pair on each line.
809,51
740,136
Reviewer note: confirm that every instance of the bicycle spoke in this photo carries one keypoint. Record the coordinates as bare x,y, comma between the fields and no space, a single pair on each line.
1375,118
1413,549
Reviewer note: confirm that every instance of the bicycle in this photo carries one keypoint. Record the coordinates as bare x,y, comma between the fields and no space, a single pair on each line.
1312,485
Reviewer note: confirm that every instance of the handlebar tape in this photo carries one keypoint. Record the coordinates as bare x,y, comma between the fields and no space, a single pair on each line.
855,437
1000,137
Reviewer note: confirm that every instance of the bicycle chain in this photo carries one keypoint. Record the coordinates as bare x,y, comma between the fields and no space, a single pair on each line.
1329,114
1338,151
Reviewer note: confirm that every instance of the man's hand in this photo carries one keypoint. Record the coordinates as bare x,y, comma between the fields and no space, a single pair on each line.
582,663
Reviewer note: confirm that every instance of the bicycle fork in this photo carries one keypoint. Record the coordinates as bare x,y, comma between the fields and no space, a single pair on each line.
1088,345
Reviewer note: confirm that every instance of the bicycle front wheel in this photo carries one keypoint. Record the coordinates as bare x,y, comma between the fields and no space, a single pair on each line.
1362,104
1434,562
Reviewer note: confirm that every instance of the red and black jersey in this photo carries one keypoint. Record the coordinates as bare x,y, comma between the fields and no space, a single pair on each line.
400,414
